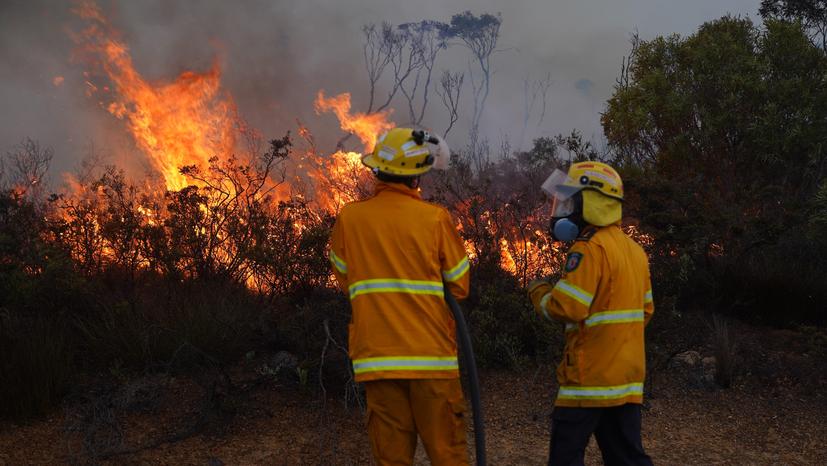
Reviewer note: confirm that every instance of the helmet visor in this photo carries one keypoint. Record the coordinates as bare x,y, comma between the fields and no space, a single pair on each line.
562,207
559,186
561,189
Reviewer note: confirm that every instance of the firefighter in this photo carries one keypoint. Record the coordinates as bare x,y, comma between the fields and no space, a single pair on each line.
395,255
605,300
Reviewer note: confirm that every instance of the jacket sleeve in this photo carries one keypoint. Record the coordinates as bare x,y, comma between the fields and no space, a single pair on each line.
571,298
452,258
648,301
337,254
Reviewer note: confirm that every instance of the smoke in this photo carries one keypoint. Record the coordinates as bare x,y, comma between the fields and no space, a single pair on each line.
276,56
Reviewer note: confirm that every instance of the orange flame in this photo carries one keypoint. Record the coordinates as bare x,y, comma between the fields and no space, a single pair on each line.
506,259
342,177
176,124
366,126
190,120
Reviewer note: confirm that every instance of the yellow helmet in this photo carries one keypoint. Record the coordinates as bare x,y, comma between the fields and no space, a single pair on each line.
602,191
596,176
403,152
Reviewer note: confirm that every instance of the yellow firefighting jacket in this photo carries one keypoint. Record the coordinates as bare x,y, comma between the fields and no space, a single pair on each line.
391,254
605,299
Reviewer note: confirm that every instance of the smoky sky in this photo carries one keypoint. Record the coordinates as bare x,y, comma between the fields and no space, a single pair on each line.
276,55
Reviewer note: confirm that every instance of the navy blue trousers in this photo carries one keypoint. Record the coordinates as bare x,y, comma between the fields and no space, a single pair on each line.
617,430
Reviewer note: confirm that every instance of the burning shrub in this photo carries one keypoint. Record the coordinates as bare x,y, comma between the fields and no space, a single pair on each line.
234,260
292,259
502,213
502,216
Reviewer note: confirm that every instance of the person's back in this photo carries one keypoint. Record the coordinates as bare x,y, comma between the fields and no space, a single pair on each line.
606,341
394,255
392,243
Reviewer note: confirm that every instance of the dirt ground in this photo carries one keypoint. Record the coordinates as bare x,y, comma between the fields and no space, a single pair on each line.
764,418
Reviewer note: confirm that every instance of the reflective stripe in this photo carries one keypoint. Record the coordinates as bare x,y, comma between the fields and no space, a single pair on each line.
647,298
405,363
391,285
615,317
543,303
600,393
416,152
574,292
338,263
457,271
387,153
572,327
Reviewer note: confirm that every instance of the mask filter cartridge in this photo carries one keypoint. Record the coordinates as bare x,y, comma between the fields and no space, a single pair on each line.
565,230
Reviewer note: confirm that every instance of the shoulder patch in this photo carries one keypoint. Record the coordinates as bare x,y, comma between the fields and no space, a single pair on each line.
573,261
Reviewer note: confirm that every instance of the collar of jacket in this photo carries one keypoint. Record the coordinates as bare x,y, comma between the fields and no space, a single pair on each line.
591,230
617,224
382,187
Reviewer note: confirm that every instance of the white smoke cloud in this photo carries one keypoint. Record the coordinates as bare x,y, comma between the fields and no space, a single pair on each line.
277,55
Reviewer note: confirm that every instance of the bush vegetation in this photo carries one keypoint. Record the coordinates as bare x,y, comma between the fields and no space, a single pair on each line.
719,137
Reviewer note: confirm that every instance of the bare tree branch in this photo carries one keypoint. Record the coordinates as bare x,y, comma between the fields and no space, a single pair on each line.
450,86
26,165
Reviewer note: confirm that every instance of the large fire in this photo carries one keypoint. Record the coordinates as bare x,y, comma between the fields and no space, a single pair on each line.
176,124
342,173
188,129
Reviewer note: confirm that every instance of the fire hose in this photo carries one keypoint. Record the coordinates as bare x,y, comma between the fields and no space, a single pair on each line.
470,364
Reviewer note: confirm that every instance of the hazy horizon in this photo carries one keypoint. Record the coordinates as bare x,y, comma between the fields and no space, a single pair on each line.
276,56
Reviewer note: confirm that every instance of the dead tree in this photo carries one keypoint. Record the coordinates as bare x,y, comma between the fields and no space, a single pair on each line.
405,59
544,85
407,53
394,46
479,34
427,39
26,166
534,92
377,53
450,87
622,81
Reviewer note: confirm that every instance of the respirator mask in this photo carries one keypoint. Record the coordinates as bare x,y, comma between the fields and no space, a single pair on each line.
566,208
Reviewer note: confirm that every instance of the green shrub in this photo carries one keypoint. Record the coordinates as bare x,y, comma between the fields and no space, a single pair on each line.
175,330
505,330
